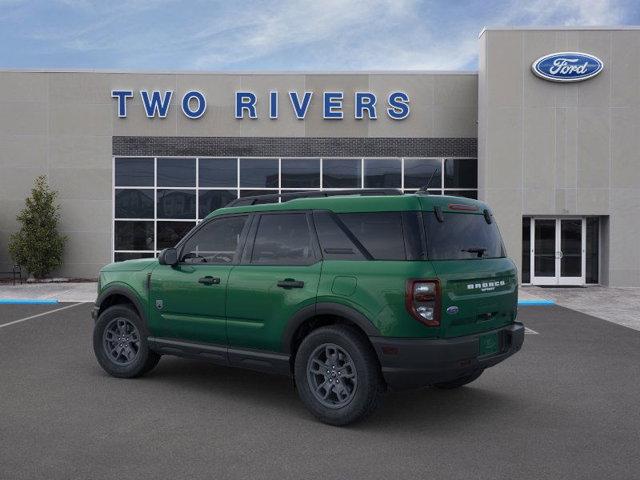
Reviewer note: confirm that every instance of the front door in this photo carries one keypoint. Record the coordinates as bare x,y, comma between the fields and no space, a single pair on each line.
558,251
187,301
278,275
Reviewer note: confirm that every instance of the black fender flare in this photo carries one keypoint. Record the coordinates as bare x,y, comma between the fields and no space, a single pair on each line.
326,308
128,294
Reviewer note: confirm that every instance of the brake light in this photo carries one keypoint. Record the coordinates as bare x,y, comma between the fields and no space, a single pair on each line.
422,300
463,207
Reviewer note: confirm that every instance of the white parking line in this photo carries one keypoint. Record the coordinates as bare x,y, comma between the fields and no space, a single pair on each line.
40,314
528,331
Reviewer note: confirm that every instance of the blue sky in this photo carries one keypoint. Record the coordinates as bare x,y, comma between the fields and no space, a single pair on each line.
274,35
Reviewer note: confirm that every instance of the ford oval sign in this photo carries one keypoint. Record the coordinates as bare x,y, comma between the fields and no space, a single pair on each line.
567,66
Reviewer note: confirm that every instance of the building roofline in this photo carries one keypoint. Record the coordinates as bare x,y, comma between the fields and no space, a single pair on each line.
238,72
562,27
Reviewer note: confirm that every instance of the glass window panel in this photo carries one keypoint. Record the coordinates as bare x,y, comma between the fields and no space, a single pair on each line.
461,236
170,233
300,173
593,240
134,172
382,173
417,172
176,203
122,256
526,250
544,255
133,235
462,193
218,172
253,193
134,203
380,233
334,242
571,248
214,242
210,200
176,172
461,173
431,191
283,239
259,172
341,173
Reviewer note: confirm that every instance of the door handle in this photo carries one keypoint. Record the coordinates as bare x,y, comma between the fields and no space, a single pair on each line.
290,283
209,280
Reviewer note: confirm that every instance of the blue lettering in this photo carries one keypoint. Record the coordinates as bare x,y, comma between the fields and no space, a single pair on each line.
398,105
332,105
300,109
246,101
273,105
122,96
156,105
365,101
200,100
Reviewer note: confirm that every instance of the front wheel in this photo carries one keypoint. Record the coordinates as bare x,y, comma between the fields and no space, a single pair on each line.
337,375
119,344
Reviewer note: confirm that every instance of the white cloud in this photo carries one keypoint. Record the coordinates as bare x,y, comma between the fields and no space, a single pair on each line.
570,12
303,34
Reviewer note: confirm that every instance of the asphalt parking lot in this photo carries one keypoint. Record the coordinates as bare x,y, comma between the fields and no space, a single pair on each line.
567,406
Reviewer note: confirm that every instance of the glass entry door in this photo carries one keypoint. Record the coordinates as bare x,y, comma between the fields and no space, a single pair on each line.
558,251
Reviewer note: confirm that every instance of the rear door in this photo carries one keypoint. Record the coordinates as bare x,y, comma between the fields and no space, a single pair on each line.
188,300
278,275
478,282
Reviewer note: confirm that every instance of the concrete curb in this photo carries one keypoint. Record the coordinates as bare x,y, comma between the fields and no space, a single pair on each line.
28,301
536,303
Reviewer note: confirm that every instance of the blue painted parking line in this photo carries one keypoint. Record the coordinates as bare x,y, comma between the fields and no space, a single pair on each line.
28,301
536,302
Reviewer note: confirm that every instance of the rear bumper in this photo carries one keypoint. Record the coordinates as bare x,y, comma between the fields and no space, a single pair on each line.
411,363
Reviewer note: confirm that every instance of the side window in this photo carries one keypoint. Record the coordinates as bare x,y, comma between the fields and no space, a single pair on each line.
283,239
334,242
215,242
380,232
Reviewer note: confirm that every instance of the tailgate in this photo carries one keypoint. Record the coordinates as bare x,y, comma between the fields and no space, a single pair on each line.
477,295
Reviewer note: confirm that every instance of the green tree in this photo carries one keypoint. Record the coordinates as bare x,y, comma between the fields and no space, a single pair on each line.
38,246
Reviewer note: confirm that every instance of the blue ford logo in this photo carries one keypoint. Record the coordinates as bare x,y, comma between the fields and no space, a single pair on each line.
567,66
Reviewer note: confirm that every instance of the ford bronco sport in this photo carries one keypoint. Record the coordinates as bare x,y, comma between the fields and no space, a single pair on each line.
349,294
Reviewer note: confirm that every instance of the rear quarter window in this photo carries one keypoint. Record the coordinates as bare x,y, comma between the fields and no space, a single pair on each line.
381,233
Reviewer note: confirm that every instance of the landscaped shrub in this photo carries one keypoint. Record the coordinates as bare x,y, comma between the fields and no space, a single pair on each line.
37,246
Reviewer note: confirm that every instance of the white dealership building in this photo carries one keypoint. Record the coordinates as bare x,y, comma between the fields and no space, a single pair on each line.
547,131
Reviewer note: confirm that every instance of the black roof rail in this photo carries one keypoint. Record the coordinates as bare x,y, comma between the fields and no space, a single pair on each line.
285,197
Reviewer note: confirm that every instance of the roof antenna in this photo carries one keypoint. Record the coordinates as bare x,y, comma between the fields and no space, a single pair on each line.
426,187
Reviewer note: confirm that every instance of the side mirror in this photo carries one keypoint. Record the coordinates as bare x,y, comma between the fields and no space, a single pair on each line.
168,256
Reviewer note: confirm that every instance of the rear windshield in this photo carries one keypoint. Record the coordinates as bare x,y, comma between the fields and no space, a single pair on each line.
462,236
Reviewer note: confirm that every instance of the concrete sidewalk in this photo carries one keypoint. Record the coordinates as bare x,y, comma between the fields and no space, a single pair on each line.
86,292
617,305
614,304
62,292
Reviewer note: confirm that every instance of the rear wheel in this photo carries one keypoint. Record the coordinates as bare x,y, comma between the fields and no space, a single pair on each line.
119,344
337,375
459,382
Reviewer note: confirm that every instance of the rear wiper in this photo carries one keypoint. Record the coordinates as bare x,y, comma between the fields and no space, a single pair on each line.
478,250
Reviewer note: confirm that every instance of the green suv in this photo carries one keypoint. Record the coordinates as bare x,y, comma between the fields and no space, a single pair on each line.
349,293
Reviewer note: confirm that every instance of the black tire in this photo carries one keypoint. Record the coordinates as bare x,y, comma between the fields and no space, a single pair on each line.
131,358
459,382
359,401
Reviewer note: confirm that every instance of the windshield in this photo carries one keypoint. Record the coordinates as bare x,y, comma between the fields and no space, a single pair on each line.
462,236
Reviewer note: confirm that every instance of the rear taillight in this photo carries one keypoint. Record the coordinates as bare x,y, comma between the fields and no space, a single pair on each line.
423,301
